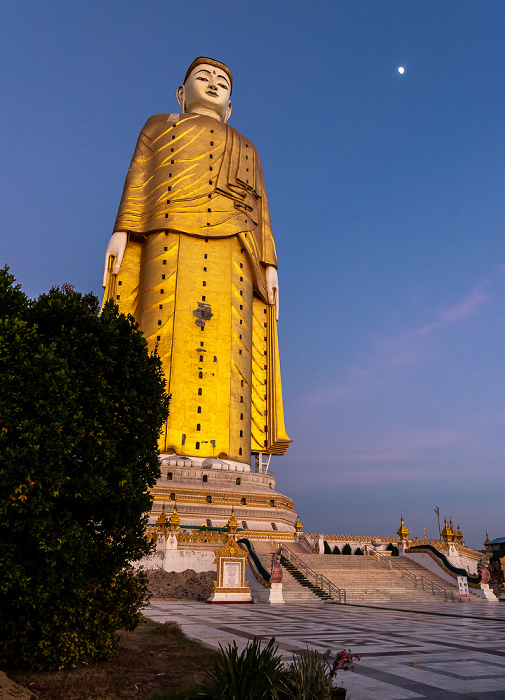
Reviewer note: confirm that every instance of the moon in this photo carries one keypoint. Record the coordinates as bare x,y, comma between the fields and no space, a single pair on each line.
401,70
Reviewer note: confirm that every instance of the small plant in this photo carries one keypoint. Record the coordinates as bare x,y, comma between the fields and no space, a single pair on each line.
336,549
327,548
311,676
257,673
358,551
251,675
393,549
347,549
307,678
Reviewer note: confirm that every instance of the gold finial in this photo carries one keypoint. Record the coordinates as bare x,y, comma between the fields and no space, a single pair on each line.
448,534
298,525
174,520
487,538
162,519
459,535
232,523
402,531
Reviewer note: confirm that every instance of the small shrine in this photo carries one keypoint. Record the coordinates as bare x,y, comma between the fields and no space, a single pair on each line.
231,585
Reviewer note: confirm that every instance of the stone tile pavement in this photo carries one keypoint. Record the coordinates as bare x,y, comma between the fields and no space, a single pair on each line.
438,652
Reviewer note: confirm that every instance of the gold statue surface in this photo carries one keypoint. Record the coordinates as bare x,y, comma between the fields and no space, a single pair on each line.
192,258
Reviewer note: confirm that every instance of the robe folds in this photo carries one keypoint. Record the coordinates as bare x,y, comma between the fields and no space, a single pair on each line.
193,276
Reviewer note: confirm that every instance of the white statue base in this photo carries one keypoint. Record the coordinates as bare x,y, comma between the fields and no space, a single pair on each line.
224,596
487,593
276,597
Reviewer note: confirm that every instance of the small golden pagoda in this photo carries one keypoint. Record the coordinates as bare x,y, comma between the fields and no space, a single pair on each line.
448,534
232,523
161,522
403,532
174,520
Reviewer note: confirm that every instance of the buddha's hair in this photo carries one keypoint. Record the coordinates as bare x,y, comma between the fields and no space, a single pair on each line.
211,62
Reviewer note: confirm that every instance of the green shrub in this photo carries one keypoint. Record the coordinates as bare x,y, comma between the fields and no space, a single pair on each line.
310,676
358,551
347,549
256,674
251,675
336,549
82,403
393,549
327,548
307,678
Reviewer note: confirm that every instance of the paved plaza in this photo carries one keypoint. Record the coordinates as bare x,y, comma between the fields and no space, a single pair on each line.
457,653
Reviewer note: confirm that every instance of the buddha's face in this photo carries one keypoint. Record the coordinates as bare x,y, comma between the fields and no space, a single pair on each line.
206,91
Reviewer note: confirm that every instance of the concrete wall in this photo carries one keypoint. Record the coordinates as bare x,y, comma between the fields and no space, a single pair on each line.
179,560
430,564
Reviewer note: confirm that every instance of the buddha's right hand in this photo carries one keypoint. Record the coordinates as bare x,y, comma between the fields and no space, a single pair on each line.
116,246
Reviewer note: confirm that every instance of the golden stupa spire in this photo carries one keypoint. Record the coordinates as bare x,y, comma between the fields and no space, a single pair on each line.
161,522
448,533
232,523
174,520
403,532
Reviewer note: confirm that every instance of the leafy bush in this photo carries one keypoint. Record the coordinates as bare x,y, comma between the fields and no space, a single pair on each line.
253,674
347,549
307,678
358,551
310,676
327,548
81,406
393,549
336,549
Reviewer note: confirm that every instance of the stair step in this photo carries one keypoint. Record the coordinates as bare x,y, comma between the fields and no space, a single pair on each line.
366,579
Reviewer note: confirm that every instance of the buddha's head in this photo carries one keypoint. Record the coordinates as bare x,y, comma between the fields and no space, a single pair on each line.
206,89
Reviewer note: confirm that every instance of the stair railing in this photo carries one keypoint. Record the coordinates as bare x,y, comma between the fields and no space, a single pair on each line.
422,581
319,580
310,545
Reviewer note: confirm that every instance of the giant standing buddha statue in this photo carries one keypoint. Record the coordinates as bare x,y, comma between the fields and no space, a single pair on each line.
192,258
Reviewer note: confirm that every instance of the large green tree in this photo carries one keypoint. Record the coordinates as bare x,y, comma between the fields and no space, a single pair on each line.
81,405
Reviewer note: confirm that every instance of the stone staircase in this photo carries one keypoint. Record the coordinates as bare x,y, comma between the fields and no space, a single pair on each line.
296,589
292,580
366,580
419,570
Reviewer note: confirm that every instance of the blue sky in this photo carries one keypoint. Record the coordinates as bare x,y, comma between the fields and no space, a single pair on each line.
387,200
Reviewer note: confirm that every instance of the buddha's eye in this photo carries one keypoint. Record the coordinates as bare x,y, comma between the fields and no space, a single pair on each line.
205,80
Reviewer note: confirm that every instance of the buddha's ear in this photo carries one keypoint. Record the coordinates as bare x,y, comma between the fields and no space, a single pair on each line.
227,113
180,97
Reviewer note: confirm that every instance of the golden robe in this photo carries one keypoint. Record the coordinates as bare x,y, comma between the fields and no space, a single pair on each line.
193,276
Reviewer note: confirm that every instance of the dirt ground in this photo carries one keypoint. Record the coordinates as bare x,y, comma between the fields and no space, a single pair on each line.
187,585
154,658
9,689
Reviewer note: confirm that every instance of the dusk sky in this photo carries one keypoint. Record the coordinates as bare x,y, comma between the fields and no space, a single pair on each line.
387,198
